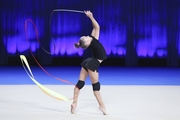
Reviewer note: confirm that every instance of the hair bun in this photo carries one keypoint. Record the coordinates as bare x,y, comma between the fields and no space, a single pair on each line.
77,45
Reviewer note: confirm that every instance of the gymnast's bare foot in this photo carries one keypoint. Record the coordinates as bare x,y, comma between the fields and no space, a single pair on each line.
103,109
73,108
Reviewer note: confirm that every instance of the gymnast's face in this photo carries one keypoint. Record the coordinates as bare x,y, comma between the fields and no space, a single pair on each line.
86,40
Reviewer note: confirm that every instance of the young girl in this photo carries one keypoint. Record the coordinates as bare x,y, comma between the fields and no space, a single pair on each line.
90,65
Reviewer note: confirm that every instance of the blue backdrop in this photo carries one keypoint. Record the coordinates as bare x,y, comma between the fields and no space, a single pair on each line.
129,28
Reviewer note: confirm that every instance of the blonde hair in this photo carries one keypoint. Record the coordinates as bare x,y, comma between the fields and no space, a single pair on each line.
81,44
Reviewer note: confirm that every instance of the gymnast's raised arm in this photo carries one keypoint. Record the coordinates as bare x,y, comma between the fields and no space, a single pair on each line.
96,27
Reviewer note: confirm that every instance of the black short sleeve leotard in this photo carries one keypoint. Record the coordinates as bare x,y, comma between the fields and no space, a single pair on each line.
97,49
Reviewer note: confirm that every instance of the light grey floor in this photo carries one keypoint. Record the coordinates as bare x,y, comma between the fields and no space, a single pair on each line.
28,102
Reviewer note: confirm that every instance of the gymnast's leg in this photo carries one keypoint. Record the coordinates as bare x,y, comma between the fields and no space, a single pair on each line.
94,76
79,85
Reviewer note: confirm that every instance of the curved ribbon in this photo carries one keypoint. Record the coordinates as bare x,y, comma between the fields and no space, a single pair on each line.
43,49
58,10
36,31
24,60
43,88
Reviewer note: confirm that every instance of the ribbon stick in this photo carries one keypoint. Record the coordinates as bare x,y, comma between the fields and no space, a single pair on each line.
67,10
43,88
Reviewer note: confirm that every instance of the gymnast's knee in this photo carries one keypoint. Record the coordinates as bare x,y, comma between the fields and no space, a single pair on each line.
80,84
96,86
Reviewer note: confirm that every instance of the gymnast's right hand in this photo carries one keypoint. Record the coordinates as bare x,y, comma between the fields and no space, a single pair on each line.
88,13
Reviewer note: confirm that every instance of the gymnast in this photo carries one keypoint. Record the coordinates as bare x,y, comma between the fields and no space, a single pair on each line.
90,66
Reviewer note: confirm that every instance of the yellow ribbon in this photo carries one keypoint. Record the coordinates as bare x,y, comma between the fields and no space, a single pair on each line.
46,90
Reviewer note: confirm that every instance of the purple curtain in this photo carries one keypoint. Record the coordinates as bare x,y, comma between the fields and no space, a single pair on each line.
130,29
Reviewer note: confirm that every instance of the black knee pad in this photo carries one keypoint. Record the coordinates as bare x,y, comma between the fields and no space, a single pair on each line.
96,86
80,84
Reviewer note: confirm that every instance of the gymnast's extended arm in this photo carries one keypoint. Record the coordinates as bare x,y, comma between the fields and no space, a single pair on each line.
96,27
